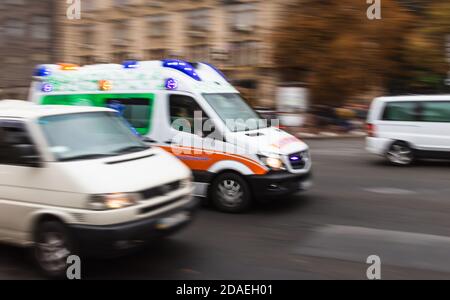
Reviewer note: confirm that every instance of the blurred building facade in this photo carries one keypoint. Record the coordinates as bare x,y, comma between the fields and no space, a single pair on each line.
27,35
235,35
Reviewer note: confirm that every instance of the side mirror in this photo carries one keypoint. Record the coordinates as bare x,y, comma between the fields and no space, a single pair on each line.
28,155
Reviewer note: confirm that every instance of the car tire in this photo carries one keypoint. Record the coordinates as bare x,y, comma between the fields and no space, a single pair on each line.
52,247
400,154
230,193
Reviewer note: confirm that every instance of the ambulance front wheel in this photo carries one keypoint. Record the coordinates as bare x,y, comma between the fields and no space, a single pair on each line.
230,193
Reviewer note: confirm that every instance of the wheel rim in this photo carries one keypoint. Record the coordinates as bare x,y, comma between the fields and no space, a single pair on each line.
230,193
53,251
401,155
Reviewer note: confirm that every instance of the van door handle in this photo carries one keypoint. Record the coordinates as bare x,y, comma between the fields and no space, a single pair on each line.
168,142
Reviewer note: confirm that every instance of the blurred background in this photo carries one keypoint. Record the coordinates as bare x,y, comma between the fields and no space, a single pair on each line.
323,59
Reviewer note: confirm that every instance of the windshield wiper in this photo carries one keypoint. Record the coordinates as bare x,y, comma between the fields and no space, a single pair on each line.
131,149
86,156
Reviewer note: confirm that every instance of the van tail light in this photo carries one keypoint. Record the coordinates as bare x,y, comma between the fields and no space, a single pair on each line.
371,130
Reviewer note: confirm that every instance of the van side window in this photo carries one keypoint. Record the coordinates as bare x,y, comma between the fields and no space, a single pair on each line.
136,111
12,135
438,111
401,111
183,111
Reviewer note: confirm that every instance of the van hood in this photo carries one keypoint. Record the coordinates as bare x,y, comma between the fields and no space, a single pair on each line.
126,173
268,140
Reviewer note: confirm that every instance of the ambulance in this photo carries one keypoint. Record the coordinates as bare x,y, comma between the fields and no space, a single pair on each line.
192,111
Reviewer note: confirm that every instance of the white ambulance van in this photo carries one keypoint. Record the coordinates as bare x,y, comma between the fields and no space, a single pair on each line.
193,112
77,180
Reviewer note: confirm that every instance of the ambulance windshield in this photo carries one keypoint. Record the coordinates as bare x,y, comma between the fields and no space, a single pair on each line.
235,112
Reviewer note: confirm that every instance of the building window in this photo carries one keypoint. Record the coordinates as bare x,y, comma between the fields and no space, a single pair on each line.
199,20
14,28
245,53
120,57
40,27
88,35
89,5
243,17
198,53
120,32
157,25
157,54
87,60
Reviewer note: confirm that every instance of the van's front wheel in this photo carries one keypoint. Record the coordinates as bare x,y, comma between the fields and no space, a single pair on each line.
52,248
230,193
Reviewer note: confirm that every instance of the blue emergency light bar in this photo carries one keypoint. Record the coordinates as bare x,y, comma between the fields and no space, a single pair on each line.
181,66
130,64
41,71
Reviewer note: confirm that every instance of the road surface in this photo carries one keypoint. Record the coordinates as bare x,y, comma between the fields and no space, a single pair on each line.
359,206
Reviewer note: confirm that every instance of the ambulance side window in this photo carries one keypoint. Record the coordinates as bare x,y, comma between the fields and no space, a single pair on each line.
184,111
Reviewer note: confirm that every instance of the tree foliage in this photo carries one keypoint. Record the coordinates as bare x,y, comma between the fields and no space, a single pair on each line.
334,48
426,49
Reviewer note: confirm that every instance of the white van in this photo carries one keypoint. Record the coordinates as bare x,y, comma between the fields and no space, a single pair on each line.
192,111
406,128
78,180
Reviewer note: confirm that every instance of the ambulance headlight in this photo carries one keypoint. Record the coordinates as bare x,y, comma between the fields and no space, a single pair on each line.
112,201
273,161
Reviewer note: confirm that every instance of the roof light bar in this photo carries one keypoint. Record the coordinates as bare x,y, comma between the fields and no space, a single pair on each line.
182,66
130,64
69,67
41,71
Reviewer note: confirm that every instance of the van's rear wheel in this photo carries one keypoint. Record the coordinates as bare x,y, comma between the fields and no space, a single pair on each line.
52,248
400,154
230,193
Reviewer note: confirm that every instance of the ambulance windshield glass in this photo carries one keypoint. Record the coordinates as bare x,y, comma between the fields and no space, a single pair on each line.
91,135
235,112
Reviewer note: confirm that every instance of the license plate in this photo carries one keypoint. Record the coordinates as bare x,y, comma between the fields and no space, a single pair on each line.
172,221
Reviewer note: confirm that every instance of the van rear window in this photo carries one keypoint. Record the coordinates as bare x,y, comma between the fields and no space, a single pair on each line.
401,111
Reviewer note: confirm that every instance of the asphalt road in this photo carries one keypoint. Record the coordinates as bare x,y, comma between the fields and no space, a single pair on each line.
359,207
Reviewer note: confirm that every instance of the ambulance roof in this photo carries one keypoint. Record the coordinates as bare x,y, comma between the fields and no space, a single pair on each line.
131,76
28,110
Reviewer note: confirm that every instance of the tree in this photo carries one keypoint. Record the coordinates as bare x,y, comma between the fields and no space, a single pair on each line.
340,53
426,50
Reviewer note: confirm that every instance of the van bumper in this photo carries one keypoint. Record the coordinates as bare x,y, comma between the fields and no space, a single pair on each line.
111,240
377,146
276,184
